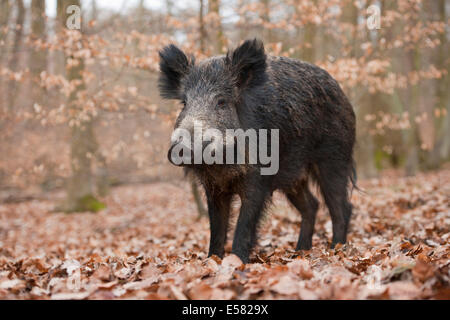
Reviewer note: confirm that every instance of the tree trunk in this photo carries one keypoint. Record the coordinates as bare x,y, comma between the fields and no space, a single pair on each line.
414,140
94,10
81,186
217,31
38,58
5,11
309,50
441,151
267,32
350,16
202,212
169,7
14,60
365,147
202,30
412,159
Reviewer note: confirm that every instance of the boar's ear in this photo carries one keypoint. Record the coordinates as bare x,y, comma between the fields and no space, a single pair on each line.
248,64
174,65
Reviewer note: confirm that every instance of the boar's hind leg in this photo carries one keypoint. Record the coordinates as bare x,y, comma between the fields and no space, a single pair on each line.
307,205
219,212
253,199
333,180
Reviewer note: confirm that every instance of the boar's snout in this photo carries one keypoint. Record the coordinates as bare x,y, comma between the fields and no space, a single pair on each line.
178,158
182,155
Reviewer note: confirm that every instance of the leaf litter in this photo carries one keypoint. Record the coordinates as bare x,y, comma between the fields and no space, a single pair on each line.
149,244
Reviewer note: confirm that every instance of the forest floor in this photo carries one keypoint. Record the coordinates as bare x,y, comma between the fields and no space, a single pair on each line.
148,244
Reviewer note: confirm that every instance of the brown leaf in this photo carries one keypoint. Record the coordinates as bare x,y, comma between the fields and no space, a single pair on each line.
424,269
177,293
301,268
286,285
232,261
14,284
102,273
140,284
202,291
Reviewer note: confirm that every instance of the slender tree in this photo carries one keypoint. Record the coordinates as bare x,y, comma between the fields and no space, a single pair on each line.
361,98
38,57
15,56
5,11
309,49
265,16
217,37
201,23
169,7
194,186
441,151
81,185
413,140
94,10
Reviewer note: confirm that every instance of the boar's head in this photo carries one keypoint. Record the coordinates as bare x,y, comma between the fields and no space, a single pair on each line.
211,93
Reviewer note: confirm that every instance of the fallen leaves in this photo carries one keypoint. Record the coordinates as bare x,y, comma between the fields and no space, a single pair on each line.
423,269
149,245
232,261
301,268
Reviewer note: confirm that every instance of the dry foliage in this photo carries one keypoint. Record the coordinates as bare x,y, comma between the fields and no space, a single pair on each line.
149,245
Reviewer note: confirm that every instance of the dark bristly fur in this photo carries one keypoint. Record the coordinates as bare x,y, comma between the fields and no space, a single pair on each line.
248,63
249,89
174,66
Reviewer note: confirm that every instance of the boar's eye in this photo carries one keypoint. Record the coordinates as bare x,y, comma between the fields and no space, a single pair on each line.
221,103
184,103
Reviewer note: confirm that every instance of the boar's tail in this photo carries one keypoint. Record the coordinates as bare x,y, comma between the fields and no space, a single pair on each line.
354,178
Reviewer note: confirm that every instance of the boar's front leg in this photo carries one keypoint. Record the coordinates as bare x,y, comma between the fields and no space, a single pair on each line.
219,213
253,198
